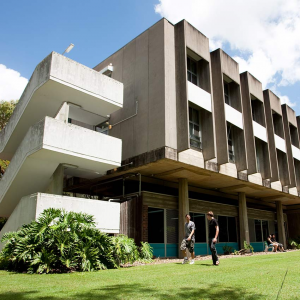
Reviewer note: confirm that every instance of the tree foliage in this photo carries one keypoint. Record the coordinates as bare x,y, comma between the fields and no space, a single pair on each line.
61,241
6,110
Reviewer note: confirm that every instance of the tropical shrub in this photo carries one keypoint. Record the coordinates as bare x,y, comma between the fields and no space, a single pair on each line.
227,249
294,243
2,222
60,241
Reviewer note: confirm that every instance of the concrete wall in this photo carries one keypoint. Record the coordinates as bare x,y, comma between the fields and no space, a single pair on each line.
224,67
278,164
189,40
251,86
146,68
106,214
58,79
47,144
289,118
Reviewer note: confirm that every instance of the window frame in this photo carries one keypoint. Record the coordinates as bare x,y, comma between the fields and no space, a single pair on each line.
190,71
192,124
230,137
226,93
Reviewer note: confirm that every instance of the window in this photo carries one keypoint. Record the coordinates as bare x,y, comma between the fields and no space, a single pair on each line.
192,70
261,230
172,226
230,144
195,131
200,224
227,227
226,93
265,229
258,235
259,155
102,128
277,123
155,225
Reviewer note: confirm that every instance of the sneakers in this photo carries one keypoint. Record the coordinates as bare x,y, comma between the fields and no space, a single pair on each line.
185,261
217,263
192,262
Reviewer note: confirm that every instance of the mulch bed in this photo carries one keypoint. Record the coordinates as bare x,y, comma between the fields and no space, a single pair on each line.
158,261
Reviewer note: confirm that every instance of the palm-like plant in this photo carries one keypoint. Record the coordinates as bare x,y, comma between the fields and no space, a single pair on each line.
65,241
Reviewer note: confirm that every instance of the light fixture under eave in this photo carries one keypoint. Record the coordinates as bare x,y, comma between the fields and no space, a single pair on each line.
71,46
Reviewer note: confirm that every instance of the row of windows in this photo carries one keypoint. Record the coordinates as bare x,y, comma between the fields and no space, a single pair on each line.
163,226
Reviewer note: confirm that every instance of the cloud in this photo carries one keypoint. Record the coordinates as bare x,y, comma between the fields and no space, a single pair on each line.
12,84
264,35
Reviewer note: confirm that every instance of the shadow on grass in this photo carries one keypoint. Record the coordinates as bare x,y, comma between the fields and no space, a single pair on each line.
138,291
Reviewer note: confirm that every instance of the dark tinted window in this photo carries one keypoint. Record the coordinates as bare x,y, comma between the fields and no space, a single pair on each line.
232,229
258,235
223,233
200,233
155,225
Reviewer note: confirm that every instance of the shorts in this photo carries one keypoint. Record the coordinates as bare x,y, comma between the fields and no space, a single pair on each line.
187,244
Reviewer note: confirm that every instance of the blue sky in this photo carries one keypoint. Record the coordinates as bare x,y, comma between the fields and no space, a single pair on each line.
30,30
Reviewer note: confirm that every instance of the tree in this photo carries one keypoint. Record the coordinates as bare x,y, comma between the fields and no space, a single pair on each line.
6,110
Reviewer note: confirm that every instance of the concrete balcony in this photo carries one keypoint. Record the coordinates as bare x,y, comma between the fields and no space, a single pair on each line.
198,96
47,144
296,152
58,79
260,131
233,116
280,143
106,214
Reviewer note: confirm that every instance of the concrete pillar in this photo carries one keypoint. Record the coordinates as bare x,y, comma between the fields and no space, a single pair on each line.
183,209
280,223
243,220
56,181
63,113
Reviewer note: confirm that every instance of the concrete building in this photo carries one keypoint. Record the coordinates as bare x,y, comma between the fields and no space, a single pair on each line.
44,147
197,136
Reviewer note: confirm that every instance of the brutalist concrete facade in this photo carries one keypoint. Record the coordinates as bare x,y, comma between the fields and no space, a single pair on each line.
169,72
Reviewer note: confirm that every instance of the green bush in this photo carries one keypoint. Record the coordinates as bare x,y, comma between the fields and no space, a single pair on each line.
62,241
294,243
227,249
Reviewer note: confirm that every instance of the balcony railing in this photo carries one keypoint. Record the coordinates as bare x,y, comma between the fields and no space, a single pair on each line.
296,152
199,97
260,131
233,116
280,143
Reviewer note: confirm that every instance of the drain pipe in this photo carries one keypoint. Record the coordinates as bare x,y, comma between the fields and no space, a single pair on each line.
140,183
136,112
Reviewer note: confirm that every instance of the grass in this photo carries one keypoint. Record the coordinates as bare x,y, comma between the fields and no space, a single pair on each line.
257,277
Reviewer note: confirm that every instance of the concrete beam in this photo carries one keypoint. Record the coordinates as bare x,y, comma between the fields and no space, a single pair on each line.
243,220
183,209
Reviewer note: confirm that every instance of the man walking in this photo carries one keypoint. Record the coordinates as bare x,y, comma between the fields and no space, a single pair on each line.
189,240
212,236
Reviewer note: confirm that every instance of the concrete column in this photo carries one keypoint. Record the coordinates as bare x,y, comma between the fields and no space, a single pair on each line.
183,208
243,220
56,181
63,113
280,224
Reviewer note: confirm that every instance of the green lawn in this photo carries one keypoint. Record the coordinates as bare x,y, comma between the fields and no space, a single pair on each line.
257,277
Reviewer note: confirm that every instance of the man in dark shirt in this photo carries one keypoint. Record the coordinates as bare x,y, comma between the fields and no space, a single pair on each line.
212,236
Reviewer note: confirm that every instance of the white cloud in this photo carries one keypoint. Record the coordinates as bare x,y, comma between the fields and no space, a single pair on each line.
265,34
12,84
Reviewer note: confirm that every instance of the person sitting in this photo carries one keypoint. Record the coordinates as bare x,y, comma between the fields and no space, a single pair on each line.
280,246
270,243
